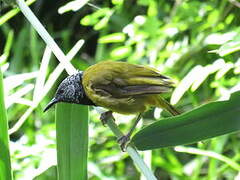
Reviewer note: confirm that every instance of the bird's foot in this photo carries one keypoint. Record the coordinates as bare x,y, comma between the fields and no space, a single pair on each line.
124,141
105,117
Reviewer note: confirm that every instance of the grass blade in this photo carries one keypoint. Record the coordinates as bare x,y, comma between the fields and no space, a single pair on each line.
5,163
207,121
46,36
72,141
53,77
211,154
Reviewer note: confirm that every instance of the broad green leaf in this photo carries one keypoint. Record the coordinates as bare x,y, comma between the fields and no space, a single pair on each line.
5,163
207,121
72,141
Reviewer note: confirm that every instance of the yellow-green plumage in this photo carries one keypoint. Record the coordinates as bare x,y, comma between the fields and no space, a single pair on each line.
120,87
126,88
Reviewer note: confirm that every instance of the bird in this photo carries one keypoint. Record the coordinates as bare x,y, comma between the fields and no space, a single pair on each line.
118,86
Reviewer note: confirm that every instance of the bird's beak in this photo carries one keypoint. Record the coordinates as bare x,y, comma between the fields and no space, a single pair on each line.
50,104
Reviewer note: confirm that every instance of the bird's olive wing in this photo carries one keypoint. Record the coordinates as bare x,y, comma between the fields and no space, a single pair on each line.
118,79
132,90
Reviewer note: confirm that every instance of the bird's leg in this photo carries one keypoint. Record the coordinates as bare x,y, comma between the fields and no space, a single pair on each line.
106,116
125,139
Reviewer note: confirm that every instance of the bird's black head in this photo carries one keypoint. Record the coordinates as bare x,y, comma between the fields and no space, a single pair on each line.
71,91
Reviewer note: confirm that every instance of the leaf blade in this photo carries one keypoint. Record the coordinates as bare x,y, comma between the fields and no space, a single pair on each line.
72,141
5,163
207,121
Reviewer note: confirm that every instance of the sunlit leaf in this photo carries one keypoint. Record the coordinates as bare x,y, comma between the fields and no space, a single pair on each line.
117,2
206,71
38,89
103,22
72,6
186,83
220,39
112,38
98,18
229,48
16,80
224,70
121,52
18,94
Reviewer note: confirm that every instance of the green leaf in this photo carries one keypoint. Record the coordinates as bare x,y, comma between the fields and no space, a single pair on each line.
112,38
72,141
121,52
104,21
210,120
10,14
5,163
117,2
72,6
48,174
229,48
7,47
98,18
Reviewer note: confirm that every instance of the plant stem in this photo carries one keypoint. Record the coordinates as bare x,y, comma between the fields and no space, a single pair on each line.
46,36
132,152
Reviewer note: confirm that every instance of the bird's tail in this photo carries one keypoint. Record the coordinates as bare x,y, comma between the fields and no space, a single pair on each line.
162,103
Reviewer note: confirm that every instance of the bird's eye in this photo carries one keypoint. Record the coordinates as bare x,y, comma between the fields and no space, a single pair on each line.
60,91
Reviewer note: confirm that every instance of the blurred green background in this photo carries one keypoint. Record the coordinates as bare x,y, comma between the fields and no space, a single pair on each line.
196,43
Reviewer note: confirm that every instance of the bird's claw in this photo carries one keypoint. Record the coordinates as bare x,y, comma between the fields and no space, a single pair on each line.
123,141
105,117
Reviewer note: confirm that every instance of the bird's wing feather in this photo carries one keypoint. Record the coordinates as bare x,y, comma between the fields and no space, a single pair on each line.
120,79
133,90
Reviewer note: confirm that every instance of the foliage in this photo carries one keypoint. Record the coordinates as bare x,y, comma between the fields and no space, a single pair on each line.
72,141
5,163
204,122
196,43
